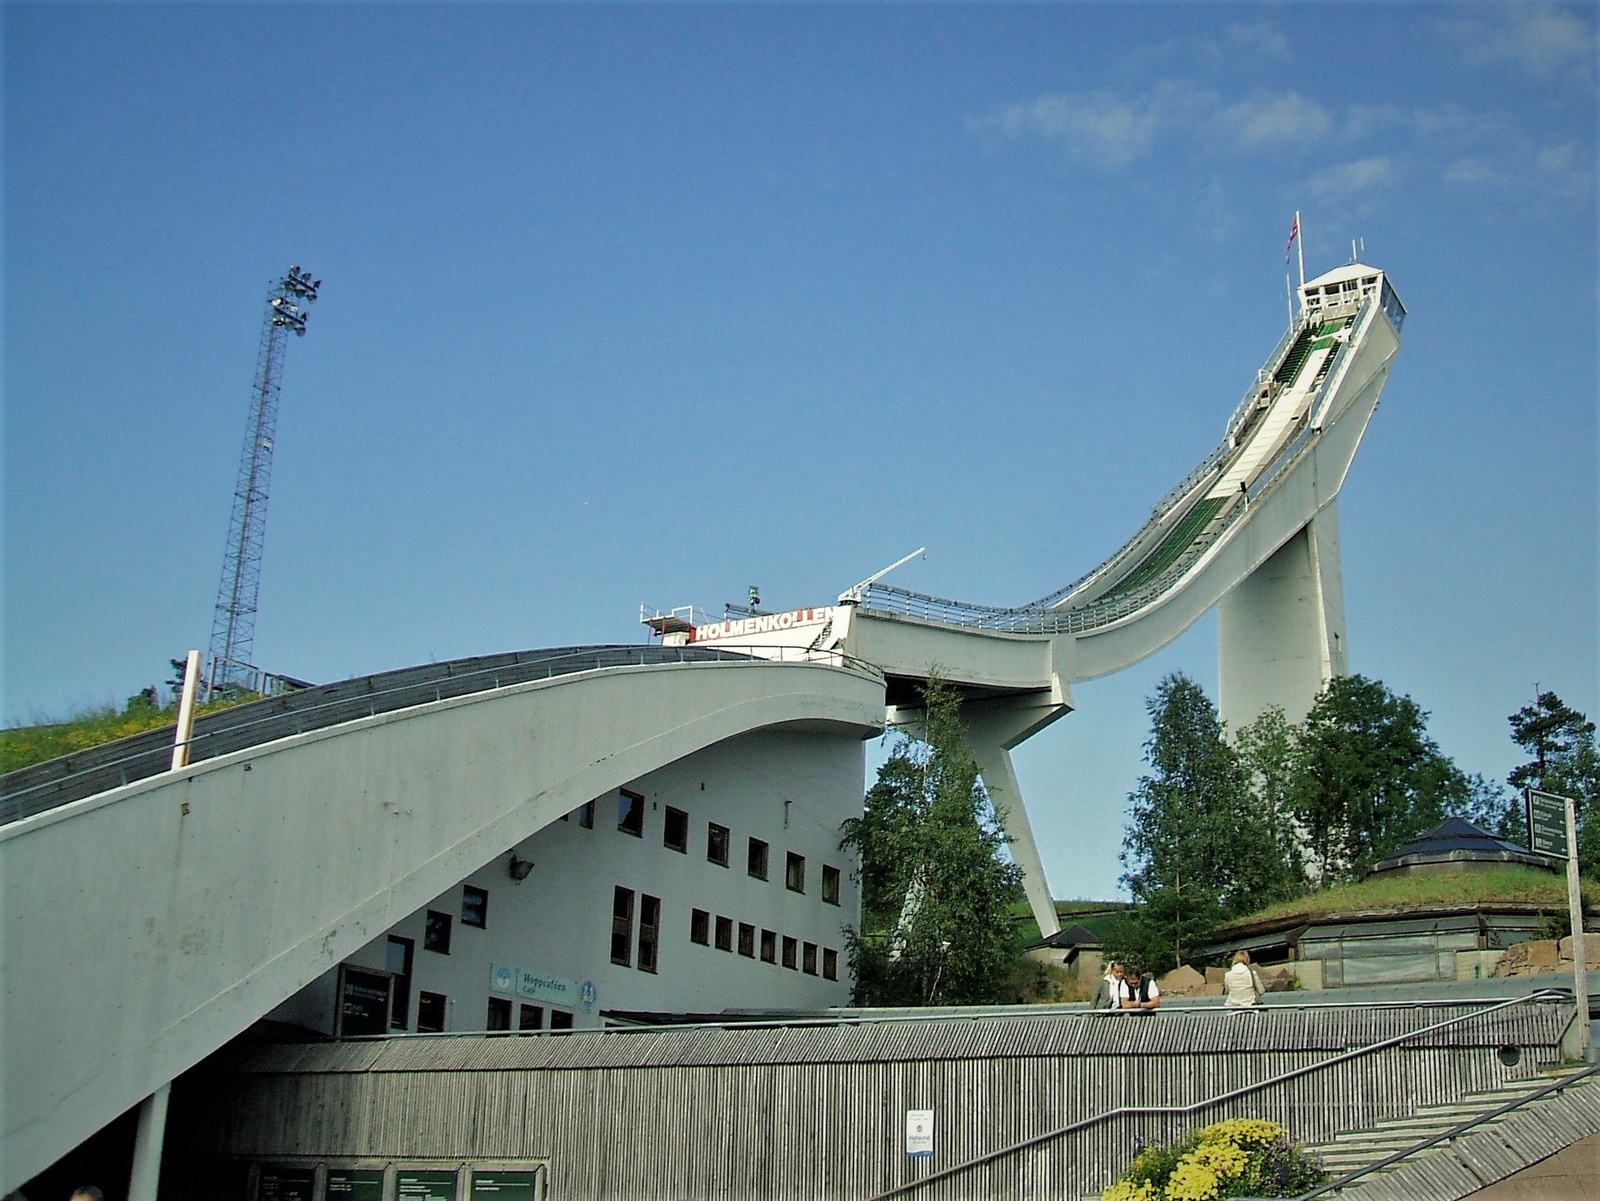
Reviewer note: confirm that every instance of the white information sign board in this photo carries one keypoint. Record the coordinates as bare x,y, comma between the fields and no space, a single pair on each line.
919,1132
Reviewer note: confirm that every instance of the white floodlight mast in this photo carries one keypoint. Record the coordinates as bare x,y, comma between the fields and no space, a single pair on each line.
234,623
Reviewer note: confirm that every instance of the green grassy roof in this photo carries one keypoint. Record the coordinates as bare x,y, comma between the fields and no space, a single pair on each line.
1511,884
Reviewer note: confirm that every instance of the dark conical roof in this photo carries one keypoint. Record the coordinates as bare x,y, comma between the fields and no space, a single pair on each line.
1456,840
1072,936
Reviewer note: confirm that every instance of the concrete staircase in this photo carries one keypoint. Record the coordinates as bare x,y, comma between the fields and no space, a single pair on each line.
1356,1149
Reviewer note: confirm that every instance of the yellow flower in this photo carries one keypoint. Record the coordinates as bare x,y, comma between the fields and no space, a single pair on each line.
1243,1132
1225,1159
1193,1181
1127,1190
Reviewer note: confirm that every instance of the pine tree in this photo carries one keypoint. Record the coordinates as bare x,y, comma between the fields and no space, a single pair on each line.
936,886
1562,743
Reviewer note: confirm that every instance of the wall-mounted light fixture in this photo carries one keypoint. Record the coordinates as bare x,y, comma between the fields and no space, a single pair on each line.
519,867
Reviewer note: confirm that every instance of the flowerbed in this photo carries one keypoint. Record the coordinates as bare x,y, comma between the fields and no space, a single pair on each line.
1242,1157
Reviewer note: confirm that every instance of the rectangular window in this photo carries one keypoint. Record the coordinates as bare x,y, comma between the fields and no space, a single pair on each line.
430,1012
791,953
717,844
675,834
830,885
586,815
397,958
756,864
474,907
769,947
560,1019
747,940
724,933
530,1017
700,927
808,959
436,934
622,926
830,963
649,931
794,873
630,813
499,1017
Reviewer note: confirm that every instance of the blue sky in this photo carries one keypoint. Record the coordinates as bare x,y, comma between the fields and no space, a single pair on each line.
630,304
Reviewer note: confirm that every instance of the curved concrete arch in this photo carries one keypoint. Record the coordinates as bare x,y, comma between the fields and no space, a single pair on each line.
146,926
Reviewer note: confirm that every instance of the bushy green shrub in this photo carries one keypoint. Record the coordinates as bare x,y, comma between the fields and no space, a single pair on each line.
1242,1157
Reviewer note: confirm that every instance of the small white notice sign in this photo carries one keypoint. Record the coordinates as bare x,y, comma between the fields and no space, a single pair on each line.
919,1132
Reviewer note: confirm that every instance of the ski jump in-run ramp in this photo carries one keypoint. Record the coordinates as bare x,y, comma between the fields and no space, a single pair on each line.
1252,529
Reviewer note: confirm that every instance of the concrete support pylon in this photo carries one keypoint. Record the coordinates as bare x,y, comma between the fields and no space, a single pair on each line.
993,728
145,1179
1281,630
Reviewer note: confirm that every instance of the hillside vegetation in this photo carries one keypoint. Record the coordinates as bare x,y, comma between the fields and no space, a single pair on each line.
23,746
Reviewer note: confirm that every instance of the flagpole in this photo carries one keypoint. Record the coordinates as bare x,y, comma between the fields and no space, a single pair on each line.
1300,245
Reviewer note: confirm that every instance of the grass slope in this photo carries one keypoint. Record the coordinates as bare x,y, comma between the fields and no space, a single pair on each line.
23,746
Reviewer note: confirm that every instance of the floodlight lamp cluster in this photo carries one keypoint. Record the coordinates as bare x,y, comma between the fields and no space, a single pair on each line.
299,283
285,312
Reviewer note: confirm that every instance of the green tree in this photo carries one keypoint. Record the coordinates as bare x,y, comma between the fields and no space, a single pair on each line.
1487,806
936,884
1268,749
1369,777
1199,848
1564,761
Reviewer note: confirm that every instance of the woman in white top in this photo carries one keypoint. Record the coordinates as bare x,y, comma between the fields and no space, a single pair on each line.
1241,986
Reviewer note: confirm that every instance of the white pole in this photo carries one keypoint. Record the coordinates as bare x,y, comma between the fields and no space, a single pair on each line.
1300,247
1580,961
185,730
152,1132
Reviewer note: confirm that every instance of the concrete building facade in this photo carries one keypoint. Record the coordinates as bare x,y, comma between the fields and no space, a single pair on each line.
714,883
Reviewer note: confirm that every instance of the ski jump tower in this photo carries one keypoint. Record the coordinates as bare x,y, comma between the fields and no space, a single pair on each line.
1253,530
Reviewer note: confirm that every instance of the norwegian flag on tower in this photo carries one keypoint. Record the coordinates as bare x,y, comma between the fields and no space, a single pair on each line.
1294,232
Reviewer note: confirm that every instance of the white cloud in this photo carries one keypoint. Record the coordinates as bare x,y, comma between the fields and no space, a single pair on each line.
1472,172
1556,158
1265,122
1098,126
1111,131
1260,38
1545,42
1358,180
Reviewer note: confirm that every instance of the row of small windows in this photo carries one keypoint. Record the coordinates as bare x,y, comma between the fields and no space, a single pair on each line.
797,956
529,1017
719,840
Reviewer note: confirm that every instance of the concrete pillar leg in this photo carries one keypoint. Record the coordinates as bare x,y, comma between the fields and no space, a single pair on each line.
151,1134
994,764
1281,630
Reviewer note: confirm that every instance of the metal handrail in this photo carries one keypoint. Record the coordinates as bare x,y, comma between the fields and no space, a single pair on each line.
860,1017
1231,1095
1454,1132
1043,616
490,677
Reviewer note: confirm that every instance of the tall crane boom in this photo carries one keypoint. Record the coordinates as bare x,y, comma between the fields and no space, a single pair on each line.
233,628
